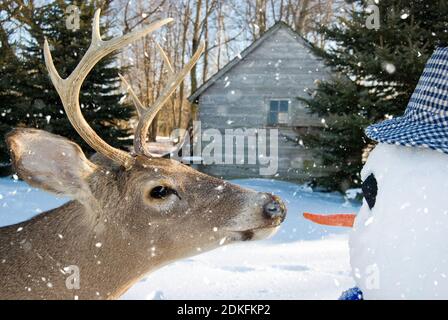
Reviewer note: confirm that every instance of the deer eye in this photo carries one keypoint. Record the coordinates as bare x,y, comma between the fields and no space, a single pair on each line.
161,192
369,190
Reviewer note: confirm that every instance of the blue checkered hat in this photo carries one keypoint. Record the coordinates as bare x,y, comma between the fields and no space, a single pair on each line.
425,121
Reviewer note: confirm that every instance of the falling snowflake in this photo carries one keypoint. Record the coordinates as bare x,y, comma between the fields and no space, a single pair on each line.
389,67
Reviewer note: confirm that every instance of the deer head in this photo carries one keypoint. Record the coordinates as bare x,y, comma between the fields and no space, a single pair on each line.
133,212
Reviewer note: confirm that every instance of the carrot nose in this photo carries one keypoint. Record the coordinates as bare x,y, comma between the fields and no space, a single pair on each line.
338,220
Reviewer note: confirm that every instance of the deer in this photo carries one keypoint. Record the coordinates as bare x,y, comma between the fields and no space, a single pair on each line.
130,212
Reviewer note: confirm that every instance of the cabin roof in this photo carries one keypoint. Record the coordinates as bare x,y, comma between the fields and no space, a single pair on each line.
279,25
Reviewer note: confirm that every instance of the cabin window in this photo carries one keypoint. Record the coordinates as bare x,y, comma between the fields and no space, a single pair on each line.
278,112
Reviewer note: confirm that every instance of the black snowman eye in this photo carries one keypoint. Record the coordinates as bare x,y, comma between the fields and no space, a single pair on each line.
161,192
369,190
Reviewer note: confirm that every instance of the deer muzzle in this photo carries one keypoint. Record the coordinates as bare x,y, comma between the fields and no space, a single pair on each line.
275,209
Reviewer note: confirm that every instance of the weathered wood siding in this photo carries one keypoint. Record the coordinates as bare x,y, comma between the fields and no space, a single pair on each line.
281,67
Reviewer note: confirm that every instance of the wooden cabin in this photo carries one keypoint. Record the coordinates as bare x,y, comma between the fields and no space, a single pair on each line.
259,90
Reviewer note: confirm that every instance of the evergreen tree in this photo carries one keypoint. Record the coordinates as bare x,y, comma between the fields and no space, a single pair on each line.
12,103
376,71
99,97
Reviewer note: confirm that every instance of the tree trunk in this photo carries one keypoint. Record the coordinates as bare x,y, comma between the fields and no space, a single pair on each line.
194,46
302,16
205,64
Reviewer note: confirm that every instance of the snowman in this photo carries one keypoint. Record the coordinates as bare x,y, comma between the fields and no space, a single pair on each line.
399,241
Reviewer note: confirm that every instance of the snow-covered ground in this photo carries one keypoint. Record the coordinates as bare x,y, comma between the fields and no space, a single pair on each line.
302,261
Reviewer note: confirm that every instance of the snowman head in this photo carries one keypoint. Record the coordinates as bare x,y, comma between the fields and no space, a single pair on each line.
399,241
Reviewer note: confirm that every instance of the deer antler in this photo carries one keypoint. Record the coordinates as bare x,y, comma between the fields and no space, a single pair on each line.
166,59
69,88
147,114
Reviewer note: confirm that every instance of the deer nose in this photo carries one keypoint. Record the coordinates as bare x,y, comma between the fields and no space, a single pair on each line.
275,209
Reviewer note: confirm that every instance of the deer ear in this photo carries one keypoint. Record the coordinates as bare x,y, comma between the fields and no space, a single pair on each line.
50,162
